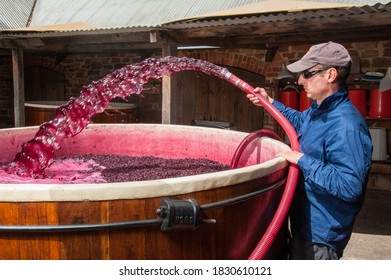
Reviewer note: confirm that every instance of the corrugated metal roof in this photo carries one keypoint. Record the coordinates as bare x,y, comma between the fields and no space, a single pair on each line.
269,6
15,14
125,13
136,13
355,2
278,16
72,26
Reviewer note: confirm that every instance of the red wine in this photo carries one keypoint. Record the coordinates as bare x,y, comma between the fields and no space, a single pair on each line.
71,118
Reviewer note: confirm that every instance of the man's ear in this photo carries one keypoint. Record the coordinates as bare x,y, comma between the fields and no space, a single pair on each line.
332,75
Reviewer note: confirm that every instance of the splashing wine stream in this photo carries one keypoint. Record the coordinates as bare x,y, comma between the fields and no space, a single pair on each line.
71,118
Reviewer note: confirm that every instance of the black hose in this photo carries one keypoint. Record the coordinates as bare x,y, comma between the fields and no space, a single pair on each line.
242,197
80,227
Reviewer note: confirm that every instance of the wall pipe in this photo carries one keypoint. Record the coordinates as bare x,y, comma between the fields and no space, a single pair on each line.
281,214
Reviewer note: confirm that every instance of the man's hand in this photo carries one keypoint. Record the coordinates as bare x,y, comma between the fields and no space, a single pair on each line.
291,156
254,98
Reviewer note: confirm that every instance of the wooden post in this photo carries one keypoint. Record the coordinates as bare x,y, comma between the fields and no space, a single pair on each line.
18,77
169,90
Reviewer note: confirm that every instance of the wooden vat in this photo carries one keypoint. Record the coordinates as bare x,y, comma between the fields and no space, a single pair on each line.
236,199
38,112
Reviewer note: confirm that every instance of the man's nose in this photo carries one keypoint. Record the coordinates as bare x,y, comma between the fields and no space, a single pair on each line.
300,79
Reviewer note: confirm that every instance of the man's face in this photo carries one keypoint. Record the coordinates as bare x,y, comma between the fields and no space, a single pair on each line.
316,82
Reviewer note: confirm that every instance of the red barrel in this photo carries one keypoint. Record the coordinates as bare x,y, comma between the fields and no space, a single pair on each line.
290,98
380,104
359,99
305,102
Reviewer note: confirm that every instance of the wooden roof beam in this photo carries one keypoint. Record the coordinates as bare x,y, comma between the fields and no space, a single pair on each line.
381,20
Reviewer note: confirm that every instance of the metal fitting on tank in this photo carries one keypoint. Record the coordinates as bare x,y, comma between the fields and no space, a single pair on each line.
180,214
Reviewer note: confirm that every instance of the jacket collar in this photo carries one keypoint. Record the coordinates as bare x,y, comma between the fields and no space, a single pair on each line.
332,101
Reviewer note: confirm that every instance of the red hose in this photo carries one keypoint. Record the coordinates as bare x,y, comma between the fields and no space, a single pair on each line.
279,217
235,162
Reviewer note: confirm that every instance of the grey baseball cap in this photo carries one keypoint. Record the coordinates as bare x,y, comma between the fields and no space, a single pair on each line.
330,53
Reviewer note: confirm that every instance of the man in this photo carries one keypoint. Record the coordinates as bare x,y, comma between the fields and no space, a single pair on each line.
335,155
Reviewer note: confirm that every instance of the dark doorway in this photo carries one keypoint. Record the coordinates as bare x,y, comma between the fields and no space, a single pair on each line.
42,84
210,98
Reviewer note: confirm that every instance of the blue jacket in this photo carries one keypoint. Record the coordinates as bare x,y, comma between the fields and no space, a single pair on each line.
337,156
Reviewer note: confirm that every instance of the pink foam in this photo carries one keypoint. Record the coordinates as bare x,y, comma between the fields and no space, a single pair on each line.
62,171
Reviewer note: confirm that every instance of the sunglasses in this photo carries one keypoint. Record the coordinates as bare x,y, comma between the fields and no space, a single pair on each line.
309,73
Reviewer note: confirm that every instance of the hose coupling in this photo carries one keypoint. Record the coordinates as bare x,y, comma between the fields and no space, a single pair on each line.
180,214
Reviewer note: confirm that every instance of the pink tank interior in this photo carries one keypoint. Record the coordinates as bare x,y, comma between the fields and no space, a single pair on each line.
168,141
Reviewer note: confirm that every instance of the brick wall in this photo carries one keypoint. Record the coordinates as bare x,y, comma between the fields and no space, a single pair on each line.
251,60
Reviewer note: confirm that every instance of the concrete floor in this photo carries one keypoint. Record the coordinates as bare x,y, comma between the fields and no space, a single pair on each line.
371,239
